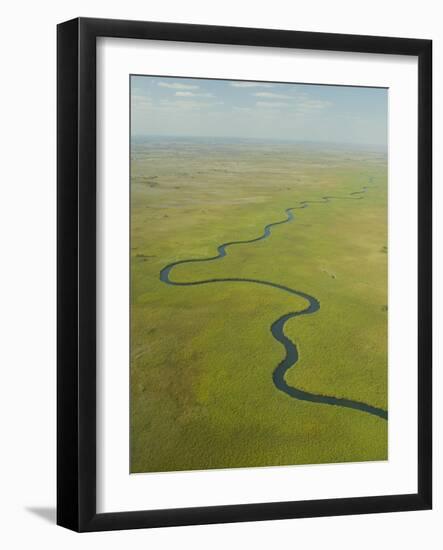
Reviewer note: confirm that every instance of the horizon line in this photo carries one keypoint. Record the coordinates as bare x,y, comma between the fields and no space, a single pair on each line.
249,138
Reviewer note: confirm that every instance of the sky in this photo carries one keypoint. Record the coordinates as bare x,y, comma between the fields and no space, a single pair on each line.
166,106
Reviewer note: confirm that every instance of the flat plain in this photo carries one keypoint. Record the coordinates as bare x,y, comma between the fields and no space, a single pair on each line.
203,355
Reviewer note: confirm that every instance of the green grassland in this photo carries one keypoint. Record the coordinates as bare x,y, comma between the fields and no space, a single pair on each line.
202,357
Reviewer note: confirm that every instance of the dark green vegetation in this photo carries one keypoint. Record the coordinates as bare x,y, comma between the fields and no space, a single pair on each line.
202,357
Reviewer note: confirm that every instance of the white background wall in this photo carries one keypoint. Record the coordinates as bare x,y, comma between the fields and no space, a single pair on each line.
27,292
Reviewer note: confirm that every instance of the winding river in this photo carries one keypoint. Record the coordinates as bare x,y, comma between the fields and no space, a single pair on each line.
277,327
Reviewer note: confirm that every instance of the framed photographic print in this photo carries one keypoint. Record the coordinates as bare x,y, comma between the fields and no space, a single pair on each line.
244,274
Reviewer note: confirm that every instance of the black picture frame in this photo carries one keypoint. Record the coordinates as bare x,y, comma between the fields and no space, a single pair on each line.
76,280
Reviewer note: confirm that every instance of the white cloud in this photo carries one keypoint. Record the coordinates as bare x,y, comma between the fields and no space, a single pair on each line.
242,84
271,104
192,94
242,109
300,105
187,104
178,86
312,105
272,95
140,101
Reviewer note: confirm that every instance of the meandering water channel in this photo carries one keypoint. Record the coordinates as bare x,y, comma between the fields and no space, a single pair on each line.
277,327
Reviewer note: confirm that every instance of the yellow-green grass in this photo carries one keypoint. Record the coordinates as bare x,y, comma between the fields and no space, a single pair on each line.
202,357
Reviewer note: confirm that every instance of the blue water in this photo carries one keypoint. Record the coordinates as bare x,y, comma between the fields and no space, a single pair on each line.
277,327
